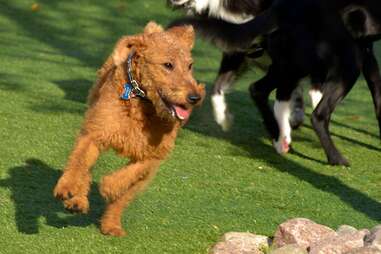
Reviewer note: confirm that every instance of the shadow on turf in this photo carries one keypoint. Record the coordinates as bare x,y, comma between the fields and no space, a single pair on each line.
341,124
354,141
76,89
248,132
31,187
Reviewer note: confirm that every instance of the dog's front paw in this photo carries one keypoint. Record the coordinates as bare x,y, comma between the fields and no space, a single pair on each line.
282,146
224,119
221,113
113,231
227,122
64,189
77,204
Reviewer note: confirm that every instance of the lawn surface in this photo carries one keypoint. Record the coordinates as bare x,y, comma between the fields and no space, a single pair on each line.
213,182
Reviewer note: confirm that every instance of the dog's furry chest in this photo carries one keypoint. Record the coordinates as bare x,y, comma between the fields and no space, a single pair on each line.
132,132
144,139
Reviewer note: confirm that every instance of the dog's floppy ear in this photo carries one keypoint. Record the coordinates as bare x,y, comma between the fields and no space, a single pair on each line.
152,27
124,46
184,33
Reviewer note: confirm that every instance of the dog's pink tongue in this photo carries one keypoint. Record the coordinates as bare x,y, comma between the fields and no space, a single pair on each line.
182,113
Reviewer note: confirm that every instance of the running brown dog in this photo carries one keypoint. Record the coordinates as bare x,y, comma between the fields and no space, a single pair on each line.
144,93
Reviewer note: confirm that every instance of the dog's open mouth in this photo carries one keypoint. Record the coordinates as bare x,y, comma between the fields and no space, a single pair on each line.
179,111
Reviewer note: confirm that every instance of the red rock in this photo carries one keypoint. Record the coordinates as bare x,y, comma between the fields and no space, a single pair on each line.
374,237
339,244
344,229
365,250
289,249
302,232
241,243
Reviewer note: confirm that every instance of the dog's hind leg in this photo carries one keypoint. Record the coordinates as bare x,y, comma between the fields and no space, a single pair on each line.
372,76
74,185
120,188
333,93
230,65
260,92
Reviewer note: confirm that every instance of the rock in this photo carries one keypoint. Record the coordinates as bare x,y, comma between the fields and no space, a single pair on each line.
302,232
365,250
241,243
289,249
339,244
344,229
374,238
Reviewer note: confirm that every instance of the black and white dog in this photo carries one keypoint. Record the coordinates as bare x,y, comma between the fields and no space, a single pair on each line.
234,11
233,20
331,41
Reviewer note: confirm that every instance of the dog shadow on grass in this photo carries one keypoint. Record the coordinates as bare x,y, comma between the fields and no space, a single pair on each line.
75,90
248,133
359,130
31,187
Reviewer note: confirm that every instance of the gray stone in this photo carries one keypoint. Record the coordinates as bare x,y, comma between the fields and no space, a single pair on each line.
344,229
289,249
241,243
374,238
365,250
302,232
339,244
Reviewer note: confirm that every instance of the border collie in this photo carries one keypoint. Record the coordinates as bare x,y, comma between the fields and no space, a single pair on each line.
330,41
234,11
229,25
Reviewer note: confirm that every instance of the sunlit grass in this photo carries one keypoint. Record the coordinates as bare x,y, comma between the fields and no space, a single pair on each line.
212,183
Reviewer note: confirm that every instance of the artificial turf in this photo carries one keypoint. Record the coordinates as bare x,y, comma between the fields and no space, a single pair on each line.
213,182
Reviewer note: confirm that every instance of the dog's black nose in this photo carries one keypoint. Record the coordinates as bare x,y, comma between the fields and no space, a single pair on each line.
194,98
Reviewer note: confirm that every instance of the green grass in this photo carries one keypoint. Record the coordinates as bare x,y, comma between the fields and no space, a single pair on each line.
212,183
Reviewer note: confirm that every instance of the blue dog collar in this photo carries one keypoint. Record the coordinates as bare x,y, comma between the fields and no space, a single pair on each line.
131,89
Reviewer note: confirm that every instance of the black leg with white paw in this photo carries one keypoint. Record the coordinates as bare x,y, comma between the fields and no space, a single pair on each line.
230,66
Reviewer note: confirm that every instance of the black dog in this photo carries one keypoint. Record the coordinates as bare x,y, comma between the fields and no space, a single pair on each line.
330,41
226,18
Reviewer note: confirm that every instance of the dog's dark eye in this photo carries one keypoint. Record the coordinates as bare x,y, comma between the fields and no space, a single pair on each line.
190,66
168,66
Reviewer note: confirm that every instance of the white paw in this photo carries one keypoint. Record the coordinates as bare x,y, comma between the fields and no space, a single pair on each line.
282,146
227,121
221,113
287,139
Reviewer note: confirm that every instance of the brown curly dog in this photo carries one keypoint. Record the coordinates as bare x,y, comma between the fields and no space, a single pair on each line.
144,93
